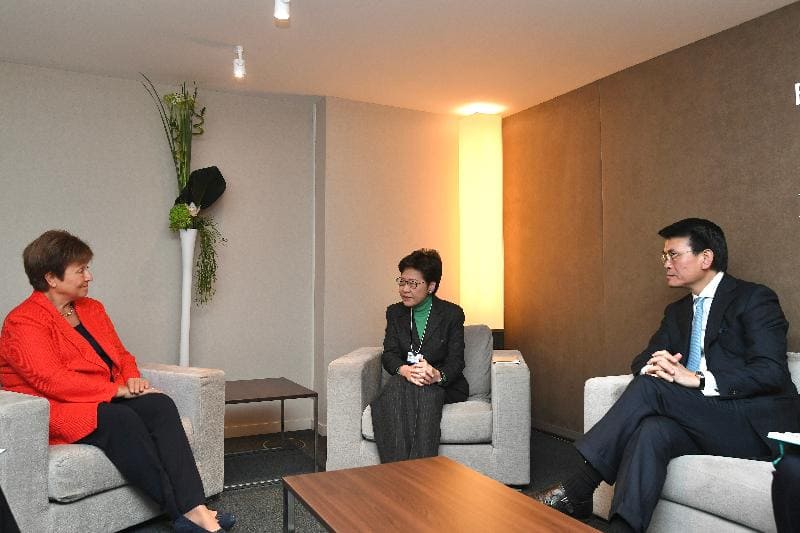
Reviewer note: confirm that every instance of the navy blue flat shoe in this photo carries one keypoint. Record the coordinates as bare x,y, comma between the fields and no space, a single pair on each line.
226,520
184,525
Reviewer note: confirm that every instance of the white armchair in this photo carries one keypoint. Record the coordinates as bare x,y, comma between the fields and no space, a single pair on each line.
74,487
701,492
490,432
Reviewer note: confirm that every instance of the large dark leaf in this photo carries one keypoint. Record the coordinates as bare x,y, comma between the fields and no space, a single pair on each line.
204,187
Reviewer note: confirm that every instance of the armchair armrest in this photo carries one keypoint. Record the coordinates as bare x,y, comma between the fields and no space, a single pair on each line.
199,394
24,430
353,382
511,416
599,394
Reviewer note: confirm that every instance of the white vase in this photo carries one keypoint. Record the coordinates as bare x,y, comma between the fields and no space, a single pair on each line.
188,238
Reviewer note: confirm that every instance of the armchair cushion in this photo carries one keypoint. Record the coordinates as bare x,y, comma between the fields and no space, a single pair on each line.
467,422
720,486
75,471
478,361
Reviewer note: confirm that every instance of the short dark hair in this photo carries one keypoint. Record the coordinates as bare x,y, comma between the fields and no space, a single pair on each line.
427,261
703,234
52,252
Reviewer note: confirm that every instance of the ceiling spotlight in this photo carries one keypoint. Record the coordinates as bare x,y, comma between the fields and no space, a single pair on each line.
238,63
281,10
483,108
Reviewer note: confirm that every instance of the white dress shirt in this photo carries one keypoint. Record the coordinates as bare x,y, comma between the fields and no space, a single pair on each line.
708,292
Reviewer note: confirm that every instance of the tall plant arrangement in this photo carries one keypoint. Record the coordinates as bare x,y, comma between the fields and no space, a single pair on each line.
197,190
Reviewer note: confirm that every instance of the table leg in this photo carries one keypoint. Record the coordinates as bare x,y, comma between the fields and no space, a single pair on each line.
316,414
283,438
288,510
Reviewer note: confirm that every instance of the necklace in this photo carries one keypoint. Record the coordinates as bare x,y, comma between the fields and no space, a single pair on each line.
68,313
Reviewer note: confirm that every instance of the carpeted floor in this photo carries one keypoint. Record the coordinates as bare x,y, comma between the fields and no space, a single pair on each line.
259,505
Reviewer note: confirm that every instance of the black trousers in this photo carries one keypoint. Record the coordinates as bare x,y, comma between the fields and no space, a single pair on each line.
143,437
407,420
651,423
7,522
786,494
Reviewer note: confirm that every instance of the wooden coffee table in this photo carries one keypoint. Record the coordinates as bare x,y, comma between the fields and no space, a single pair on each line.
433,494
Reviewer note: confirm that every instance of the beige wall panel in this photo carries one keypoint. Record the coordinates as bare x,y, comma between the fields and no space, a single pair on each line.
87,154
553,250
391,186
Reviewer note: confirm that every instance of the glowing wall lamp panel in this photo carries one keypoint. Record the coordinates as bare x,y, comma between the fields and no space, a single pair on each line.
480,168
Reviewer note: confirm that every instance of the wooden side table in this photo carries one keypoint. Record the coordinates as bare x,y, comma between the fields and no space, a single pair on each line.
272,389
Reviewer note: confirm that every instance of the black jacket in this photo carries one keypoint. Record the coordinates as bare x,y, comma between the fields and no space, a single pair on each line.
443,345
745,350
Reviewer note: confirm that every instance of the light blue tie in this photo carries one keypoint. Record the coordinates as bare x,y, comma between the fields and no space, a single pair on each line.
695,342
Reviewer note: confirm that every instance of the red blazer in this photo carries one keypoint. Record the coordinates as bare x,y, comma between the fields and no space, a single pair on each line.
42,355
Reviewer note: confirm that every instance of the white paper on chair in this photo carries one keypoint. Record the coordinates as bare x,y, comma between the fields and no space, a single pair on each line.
2,450
507,359
791,438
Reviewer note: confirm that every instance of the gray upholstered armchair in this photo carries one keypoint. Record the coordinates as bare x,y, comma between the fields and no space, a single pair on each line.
701,492
490,432
74,487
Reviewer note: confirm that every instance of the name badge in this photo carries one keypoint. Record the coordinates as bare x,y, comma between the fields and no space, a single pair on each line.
414,358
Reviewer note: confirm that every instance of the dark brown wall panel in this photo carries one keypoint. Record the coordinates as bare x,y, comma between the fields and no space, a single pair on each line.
552,228
708,130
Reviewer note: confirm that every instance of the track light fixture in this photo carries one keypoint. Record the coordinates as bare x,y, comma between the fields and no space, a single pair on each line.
281,10
239,71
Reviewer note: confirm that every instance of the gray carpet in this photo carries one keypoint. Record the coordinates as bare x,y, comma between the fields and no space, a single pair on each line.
242,469
259,507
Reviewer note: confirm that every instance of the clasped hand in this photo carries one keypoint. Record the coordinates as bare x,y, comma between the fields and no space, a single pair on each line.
135,387
667,366
421,373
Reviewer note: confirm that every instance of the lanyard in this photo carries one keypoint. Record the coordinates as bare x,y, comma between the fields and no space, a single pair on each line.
424,329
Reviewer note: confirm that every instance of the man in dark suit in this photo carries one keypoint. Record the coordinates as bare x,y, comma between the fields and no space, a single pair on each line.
713,380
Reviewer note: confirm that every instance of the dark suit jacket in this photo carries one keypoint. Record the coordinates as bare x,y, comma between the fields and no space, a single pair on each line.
443,345
745,349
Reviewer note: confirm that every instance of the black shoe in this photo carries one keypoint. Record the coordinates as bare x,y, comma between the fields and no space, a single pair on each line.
226,520
184,525
555,496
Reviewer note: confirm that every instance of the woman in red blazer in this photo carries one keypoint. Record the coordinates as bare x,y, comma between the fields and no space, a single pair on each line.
62,346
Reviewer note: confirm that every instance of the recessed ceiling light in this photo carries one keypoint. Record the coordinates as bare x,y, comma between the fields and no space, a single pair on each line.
484,108
281,10
239,71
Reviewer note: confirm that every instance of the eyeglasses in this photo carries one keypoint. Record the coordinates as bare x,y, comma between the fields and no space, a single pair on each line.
413,283
671,255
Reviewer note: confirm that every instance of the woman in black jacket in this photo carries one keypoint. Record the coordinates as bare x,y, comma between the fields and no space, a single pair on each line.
423,350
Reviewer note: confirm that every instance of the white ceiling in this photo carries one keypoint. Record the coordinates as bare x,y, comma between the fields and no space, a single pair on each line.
432,55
